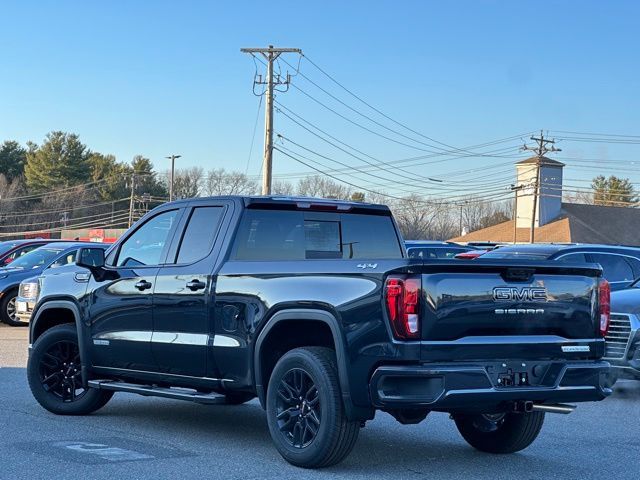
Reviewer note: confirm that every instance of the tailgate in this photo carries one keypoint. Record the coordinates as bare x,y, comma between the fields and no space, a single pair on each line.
495,309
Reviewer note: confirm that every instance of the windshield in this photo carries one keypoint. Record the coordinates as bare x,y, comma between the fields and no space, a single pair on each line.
36,258
498,254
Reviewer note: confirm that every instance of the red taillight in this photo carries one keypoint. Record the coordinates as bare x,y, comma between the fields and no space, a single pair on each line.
403,306
604,300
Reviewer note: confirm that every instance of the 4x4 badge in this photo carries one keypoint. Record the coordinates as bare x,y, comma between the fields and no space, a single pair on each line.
367,265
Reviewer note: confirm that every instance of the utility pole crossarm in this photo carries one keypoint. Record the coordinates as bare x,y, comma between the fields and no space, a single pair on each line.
271,50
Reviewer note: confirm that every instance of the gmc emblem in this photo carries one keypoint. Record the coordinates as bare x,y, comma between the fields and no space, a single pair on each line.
527,294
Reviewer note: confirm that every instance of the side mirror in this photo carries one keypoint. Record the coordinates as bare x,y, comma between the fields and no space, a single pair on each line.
90,257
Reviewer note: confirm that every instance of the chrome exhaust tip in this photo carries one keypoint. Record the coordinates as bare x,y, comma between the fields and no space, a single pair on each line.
553,408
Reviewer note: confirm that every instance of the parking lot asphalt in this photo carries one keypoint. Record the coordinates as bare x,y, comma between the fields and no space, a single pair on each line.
135,437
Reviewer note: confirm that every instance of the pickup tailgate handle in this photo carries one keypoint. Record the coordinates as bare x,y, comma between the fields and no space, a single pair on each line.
194,285
518,274
143,285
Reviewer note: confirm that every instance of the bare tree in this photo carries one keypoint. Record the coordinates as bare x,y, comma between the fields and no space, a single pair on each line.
317,186
415,217
475,213
282,187
187,182
579,197
221,182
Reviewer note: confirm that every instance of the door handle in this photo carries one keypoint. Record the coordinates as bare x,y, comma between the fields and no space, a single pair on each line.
143,285
194,285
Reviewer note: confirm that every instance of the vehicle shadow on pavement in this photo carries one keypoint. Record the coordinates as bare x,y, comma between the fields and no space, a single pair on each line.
384,447
627,389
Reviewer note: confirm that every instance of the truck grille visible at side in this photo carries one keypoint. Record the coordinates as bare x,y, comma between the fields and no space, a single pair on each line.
618,336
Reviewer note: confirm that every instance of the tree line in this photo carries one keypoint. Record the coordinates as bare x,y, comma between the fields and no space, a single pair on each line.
61,183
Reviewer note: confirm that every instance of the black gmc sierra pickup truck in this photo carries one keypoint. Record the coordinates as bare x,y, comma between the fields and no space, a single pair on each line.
312,306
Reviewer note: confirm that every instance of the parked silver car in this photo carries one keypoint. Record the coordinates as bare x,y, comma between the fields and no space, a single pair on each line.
623,338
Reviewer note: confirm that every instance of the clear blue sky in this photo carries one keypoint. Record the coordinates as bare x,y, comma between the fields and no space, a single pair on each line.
155,78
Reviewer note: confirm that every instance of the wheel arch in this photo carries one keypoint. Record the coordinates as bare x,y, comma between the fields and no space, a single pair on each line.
324,318
44,318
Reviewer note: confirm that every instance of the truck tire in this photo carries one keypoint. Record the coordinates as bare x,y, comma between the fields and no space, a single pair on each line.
305,413
54,374
501,433
8,309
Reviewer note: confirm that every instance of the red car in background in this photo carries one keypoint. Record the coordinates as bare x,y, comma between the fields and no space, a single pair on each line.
12,249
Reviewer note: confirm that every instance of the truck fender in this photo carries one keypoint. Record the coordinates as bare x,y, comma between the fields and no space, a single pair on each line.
313,315
75,310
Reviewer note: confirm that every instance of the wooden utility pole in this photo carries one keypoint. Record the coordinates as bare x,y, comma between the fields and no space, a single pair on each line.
270,54
540,149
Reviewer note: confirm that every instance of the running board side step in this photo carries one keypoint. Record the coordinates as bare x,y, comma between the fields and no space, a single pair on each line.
152,391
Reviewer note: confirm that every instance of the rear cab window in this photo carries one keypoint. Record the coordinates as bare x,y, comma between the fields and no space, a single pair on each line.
200,233
296,235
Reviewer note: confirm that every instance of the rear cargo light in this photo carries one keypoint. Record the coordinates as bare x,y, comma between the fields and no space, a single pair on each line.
402,296
604,300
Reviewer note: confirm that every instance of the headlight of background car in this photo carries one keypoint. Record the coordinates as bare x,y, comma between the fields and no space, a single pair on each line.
28,290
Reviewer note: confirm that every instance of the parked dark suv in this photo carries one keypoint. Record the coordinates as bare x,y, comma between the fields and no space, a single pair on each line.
620,265
428,249
312,306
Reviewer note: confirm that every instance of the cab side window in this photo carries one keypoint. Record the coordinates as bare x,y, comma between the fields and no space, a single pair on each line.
200,234
635,265
573,258
615,267
147,244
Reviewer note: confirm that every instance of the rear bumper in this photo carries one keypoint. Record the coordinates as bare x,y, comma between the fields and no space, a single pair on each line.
476,386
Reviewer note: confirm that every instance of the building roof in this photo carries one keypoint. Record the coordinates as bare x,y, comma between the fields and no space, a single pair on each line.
542,161
555,232
577,223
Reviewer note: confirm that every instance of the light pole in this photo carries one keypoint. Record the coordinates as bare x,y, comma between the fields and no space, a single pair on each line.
515,189
173,161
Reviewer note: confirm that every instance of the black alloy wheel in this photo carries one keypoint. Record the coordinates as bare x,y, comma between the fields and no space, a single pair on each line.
60,371
305,410
54,371
298,408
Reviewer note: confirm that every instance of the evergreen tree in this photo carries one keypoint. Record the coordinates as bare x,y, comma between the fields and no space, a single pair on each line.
12,159
110,177
613,191
61,161
145,178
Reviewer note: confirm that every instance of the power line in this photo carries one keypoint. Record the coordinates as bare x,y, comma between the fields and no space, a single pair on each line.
381,165
357,97
253,136
434,187
297,157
